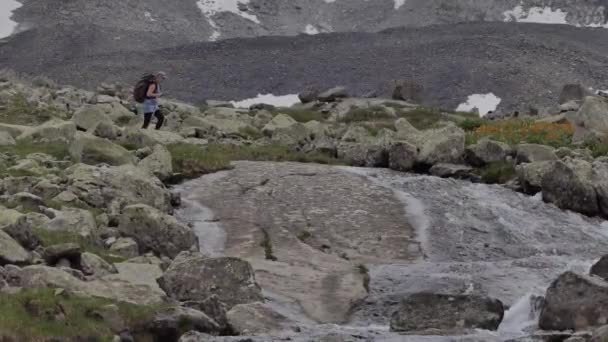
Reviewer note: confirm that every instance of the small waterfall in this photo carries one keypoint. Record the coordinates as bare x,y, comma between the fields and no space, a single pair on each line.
211,236
522,317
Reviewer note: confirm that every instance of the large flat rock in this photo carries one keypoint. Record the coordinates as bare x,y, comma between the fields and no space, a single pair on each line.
306,229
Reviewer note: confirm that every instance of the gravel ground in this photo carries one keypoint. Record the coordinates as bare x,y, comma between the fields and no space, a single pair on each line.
524,64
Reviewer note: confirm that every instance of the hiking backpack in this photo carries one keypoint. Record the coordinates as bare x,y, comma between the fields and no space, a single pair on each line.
141,88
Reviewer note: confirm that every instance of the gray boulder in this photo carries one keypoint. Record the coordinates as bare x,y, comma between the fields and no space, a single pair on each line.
70,251
11,252
309,95
17,226
51,131
446,313
156,231
106,130
600,268
125,247
279,121
159,163
575,302
333,94
441,145
530,175
407,90
528,153
88,117
6,139
126,184
256,319
405,130
445,170
93,265
138,138
169,324
196,278
50,277
89,149
402,156
364,154
592,118
486,152
573,92
568,185
73,220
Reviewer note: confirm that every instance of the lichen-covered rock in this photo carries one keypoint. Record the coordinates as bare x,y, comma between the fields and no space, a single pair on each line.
530,175
11,252
568,185
138,138
197,278
6,139
126,247
159,163
51,131
279,121
100,186
156,231
89,149
528,153
171,323
363,154
93,265
88,117
486,151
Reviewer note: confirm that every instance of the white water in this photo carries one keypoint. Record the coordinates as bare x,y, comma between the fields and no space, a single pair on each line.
211,236
476,239
7,26
278,101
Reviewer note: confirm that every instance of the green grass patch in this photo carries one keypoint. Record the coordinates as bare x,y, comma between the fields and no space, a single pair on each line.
371,113
23,148
41,315
19,111
301,115
497,173
428,117
87,244
191,161
471,124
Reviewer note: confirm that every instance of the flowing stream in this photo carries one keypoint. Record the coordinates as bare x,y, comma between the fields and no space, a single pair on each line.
475,238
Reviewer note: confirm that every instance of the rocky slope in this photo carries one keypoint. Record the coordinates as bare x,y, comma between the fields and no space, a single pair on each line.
201,20
273,251
525,65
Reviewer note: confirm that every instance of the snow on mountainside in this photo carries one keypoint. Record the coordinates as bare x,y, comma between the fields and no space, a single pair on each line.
7,25
210,20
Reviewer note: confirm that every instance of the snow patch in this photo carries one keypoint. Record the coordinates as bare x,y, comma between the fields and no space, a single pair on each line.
149,16
210,8
483,103
7,26
310,29
399,3
278,101
541,15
